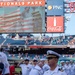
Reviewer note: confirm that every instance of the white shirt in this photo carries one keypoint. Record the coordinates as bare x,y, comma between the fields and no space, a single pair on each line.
4,60
36,71
46,67
67,69
25,69
72,69
55,72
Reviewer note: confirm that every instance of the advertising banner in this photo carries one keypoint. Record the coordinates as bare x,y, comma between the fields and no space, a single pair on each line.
55,24
54,7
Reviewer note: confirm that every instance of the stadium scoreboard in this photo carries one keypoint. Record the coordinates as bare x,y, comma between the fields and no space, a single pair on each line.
18,16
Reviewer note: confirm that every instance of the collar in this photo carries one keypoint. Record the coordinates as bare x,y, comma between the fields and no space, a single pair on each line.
38,67
56,69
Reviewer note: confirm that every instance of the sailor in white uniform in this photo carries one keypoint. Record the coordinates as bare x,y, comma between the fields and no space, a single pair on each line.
26,67
38,70
72,68
35,62
67,68
46,66
62,65
52,62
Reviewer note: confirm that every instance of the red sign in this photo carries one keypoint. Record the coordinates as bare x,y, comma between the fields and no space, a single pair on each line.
55,24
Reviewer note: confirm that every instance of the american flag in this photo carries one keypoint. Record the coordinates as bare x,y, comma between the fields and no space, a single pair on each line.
14,22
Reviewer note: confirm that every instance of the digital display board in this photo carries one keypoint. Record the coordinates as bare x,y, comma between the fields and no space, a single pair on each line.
22,16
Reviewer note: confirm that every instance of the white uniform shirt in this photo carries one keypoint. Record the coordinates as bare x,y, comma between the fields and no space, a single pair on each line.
25,69
72,69
4,60
62,67
67,69
55,72
36,71
46,67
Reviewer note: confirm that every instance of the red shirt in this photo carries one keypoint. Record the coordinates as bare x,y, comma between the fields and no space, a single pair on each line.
12,69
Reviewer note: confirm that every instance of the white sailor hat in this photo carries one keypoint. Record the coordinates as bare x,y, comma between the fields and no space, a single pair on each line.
67,61
62,61
42,59
71,61
26,59
35,59
51,53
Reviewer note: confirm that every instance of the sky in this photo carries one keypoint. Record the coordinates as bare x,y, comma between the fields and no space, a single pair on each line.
70,25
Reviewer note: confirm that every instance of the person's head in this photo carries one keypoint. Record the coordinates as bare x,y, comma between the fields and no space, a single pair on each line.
35,61
71,61
67,62
26,61
62,63
52,58
1,67
16,64
27,9
43,60
41,64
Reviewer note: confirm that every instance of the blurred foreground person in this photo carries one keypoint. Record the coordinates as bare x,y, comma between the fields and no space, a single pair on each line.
52,62
3,59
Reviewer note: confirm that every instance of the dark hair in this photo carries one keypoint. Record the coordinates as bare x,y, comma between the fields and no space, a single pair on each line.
16,63
35,61
26,59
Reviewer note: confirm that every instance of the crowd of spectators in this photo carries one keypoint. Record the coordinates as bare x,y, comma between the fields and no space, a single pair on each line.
37,40
21,56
